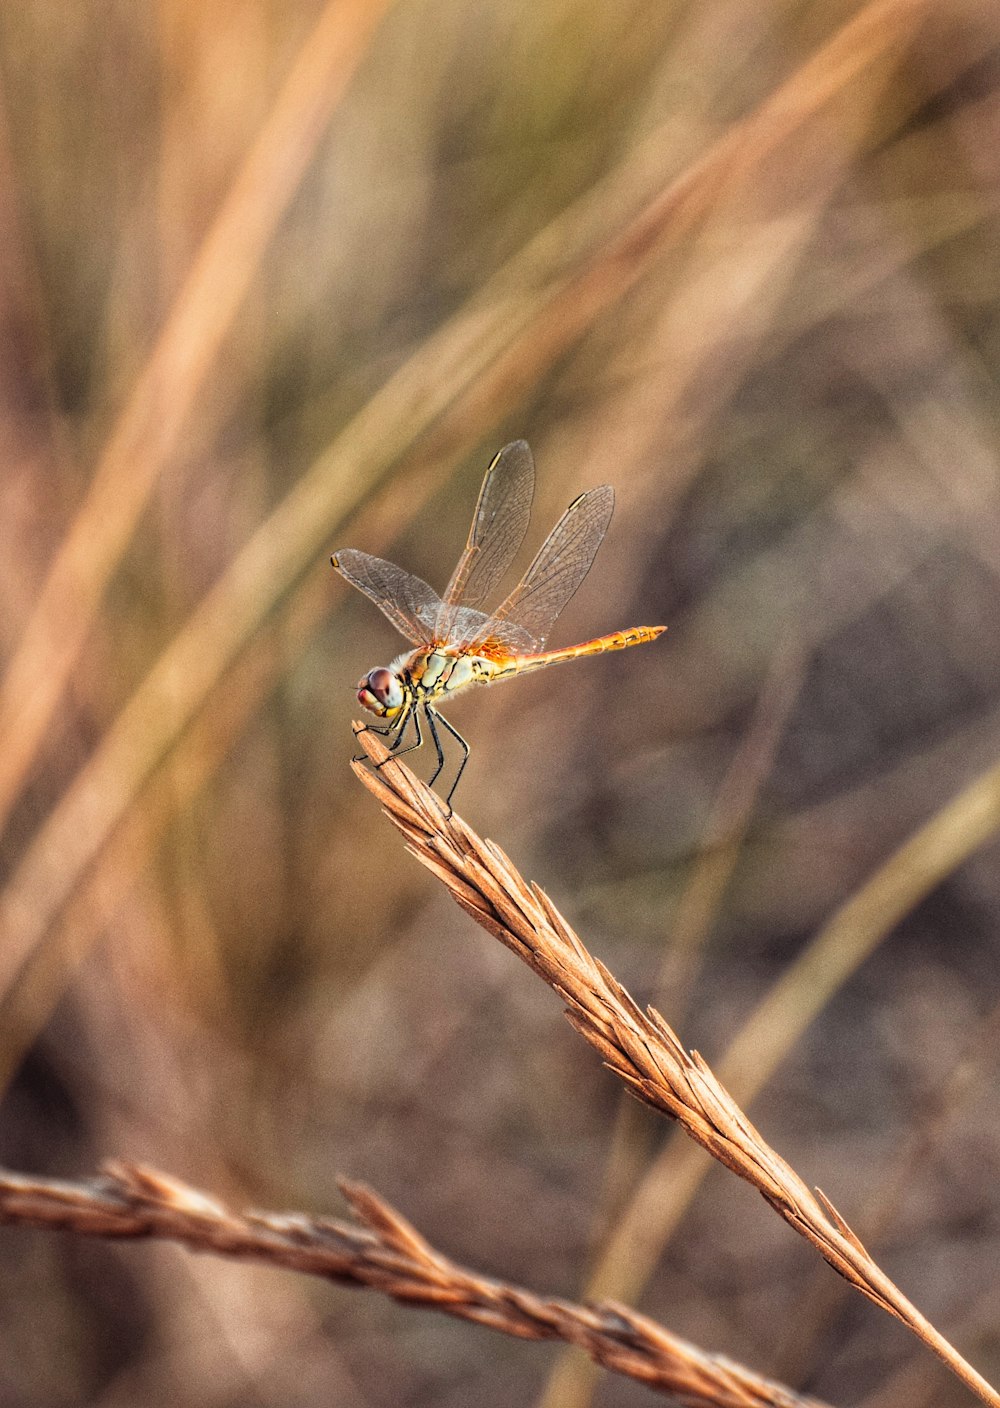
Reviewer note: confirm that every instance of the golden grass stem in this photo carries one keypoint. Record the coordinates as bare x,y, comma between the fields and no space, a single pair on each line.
856,929
383,1252
726,830
48,898
786,1011
150,426
470,371
639,1047
656,1196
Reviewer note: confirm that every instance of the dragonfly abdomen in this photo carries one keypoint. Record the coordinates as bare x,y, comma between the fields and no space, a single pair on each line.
617,640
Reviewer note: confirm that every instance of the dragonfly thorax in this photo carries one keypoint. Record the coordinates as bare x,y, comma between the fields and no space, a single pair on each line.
419,676
433,673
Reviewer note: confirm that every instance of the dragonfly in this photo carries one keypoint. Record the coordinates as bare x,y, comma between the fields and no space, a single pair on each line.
456,644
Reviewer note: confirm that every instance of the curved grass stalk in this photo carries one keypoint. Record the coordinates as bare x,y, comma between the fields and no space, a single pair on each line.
385,1253
785,1013
640,1047
471,371
651,1203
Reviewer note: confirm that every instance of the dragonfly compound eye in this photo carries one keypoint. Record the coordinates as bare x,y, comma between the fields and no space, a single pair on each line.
380,692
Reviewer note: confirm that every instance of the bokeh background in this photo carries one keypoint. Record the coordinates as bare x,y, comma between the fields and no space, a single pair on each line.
277,278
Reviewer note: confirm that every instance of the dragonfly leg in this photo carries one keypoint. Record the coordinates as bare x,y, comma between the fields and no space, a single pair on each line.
397,727
433,715
411,713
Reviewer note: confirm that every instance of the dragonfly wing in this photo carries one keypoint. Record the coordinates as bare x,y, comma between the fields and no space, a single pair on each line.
410,604
498,528
562,563
479,634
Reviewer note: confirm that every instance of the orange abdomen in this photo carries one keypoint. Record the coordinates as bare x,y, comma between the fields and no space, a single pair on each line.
617,640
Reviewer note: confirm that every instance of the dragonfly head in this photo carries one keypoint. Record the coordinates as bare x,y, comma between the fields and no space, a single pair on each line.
381,692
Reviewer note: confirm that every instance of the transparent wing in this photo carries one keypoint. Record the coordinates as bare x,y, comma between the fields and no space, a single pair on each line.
410,604
523,621
498,528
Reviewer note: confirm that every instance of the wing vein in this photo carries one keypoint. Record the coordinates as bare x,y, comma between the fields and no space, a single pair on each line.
409,602
525,618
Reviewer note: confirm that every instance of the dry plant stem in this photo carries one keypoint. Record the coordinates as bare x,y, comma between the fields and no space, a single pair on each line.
769,1031
464,376
940,1107
151,423
386,1254
638,1046
728,823
658,1194
28,1002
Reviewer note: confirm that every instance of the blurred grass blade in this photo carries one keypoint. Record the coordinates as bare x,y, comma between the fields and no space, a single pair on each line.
638,1045
701,898
27,1004
851,935
464,378
182,357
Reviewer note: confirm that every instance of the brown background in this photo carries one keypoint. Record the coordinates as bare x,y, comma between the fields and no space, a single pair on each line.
217,957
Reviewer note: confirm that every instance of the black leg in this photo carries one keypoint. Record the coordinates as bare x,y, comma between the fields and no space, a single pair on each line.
437,744
398,727
433,714
373,728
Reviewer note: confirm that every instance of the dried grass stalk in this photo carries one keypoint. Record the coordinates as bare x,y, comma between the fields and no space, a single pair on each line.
152,421
640,1047
387,1254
